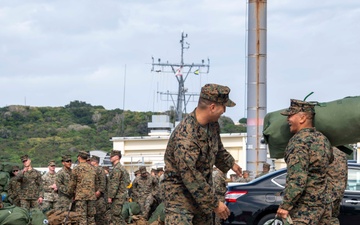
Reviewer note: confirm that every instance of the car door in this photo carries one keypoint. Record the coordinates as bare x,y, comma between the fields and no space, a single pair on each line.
350,204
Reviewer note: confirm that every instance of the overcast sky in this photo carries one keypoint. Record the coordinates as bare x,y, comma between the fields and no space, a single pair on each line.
54,52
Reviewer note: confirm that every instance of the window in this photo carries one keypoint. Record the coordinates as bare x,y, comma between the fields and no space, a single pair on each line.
353,180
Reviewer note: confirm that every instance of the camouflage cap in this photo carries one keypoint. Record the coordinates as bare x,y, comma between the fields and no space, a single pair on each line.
52,163
24,158
297,106
65,158
160,169
266,165
95,158
217,93
15,168
142,170
83,154
136,172
115,152
246,171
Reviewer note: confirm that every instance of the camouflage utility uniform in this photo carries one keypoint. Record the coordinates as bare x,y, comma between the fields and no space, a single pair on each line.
119,179
338,175
31,188
50,195
100,203
62,183
82,185
219,189
14,191
190,155
306,195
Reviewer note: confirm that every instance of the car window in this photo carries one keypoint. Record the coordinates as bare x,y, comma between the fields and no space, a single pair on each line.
353,180
280,180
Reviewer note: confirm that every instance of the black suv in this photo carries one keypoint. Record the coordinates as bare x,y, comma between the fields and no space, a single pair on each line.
256,202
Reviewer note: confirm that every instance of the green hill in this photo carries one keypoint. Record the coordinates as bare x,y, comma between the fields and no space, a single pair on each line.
46,133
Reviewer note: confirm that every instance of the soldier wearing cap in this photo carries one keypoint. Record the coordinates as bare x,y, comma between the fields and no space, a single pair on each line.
117,192
266,169
14,187
62,182
100,204
31,194
160,171
82,187
142,187
245,177
307,155
193,149
50,189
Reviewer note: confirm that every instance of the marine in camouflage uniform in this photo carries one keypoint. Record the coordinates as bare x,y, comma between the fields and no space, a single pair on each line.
117,192
266,169
31,193
337,175
82,186
245,178
143,187
14,188
100,187
193,149
50,189
219,180
62,182
307,155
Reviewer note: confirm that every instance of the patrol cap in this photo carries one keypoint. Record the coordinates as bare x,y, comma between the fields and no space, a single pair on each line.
83,154
115,152
65,158
297,106
217,93
95,158
52,163
24,158
136,172
15,168
142,170
246,171
160,169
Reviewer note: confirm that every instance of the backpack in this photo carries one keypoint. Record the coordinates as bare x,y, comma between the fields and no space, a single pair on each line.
38,217
14,215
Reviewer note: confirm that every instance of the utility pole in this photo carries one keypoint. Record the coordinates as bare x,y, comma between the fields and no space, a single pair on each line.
182,95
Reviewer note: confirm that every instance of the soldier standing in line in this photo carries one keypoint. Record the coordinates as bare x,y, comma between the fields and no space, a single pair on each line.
62,182
219,179
266,169
100,204
117,192
160,171
193,149
307,156
82,186
14,188
245,177
142,187
32,193
338,176
50,189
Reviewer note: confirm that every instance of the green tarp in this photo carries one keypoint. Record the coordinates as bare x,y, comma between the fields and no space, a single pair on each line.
338,120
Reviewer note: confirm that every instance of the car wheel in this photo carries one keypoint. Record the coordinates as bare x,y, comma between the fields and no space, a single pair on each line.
267,219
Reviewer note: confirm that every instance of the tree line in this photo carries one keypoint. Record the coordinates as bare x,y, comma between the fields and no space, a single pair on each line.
46,133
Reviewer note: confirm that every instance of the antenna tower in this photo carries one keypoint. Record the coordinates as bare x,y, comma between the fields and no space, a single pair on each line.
178,69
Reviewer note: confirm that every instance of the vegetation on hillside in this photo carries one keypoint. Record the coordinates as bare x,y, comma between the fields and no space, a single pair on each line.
46,133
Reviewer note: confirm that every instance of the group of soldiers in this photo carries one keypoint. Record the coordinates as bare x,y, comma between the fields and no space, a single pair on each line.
94,192
246,174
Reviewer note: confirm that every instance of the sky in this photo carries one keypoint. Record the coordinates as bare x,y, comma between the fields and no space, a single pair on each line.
100,51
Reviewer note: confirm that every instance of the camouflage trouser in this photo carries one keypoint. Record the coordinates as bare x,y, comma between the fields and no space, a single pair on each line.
115,211
28,204
100,216
62,203
176,218
311,215
335,212
150,202
47,206
86,210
